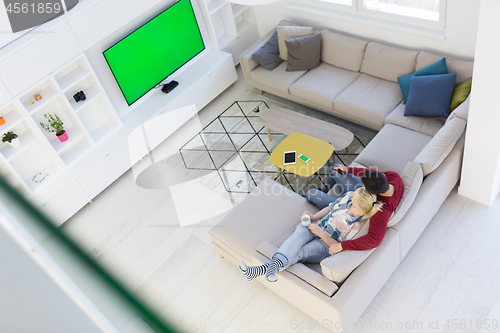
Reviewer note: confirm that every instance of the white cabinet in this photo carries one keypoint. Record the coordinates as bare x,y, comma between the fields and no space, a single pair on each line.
231,26
102,19
41,156
38,59
5,95
106,171
212,84
65,203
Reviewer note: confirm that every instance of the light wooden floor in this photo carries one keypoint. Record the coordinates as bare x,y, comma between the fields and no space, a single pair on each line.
449,277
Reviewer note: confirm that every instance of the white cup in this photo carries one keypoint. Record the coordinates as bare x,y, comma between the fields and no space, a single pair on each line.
306,220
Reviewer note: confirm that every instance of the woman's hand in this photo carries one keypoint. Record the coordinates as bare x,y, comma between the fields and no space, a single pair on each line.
315,229
335,248
310,215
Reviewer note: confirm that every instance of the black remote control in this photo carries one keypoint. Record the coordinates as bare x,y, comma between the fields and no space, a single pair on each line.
168,87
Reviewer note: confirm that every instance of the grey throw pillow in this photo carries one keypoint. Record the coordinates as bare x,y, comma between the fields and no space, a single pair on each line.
303,52
268,56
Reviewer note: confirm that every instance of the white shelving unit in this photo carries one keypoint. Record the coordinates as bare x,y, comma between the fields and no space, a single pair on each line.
243,18
231,26
41,156
20,164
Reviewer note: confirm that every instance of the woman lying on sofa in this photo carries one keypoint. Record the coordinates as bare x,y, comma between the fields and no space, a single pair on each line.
338,222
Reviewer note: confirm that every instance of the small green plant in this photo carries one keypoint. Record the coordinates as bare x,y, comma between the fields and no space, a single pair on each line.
55,124
9,136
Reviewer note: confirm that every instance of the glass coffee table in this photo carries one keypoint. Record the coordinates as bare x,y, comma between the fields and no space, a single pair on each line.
235,145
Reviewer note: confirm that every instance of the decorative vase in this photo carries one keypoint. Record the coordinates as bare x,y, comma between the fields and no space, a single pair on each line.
2,121
15,143
63,137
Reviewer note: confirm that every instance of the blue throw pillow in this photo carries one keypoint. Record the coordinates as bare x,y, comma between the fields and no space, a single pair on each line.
439,67
430,95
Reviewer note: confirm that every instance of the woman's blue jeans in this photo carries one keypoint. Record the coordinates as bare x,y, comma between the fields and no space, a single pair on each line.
302,246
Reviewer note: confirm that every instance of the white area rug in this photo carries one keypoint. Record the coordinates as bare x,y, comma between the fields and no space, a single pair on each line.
208,184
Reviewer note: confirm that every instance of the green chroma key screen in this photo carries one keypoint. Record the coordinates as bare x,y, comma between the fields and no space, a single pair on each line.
154,51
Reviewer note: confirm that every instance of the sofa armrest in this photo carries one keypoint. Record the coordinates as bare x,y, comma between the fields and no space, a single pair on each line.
300,270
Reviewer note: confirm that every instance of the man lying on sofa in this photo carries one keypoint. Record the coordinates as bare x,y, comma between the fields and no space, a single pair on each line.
388,186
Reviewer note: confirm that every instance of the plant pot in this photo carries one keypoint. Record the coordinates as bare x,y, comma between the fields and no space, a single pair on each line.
63,137
15,143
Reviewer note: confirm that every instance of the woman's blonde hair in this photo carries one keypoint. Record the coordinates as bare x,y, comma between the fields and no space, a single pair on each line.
368,202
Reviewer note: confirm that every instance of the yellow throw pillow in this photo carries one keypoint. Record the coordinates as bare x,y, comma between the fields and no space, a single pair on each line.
460,94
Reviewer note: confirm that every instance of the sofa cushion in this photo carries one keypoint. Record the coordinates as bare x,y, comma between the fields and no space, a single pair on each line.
440,146
392,148
425,125
463,68
268,55
439,67
462,111
412,177
302,271
430,95
323,84
289,32
460,94
368,100
303,52
241,230
338,266
279,78
387,62
341,50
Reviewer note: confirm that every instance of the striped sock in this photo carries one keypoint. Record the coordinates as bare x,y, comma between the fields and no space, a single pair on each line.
273,269
253,271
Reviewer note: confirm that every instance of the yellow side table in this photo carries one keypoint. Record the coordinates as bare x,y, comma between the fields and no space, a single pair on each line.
317,150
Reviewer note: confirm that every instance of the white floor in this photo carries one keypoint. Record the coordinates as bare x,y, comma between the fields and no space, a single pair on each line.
447,283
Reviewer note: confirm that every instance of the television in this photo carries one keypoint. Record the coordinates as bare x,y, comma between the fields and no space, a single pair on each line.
151,53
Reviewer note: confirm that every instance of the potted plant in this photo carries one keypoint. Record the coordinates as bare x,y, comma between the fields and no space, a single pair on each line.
55,125
10,138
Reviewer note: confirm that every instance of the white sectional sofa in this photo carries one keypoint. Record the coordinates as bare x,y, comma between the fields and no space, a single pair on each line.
356,80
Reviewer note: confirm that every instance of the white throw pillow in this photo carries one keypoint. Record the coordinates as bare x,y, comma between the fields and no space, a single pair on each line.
440,145
412,177
290,32
462,111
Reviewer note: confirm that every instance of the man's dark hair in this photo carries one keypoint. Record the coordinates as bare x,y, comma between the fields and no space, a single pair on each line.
375,182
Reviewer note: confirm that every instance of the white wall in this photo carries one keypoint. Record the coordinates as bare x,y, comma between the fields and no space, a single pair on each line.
481,167
460,39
